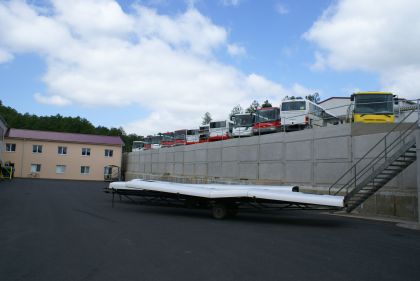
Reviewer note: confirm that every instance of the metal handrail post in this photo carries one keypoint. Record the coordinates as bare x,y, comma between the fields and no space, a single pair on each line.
418,113
385,147
355,180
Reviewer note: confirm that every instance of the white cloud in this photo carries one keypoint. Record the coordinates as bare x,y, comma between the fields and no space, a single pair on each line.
98,55
281,9
190,30
54,100
230,2
236,50
362,35
5,56
93,18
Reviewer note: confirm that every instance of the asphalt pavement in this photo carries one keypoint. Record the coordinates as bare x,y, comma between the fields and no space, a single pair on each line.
68,230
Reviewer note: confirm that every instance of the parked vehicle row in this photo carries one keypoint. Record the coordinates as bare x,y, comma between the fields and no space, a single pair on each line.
293,114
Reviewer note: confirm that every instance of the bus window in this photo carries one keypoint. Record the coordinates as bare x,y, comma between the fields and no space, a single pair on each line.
293,105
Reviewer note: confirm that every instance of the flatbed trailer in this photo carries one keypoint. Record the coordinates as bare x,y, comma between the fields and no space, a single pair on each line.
223,199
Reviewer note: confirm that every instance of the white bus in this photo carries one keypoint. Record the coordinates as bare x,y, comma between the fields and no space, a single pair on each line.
193,136
155,142
242,124
203,133
220,130
137,146
299,114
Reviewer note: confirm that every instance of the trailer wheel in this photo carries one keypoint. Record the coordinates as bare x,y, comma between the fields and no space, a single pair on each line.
219,211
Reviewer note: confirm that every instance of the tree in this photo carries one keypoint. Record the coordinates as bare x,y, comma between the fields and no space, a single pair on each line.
59,123
314,97
253,107
266,104
237,109
289,98
206,119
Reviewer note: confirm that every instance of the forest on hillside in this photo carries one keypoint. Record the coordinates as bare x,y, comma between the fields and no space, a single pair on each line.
59,123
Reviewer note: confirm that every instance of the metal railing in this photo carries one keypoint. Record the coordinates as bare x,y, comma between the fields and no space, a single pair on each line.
391,143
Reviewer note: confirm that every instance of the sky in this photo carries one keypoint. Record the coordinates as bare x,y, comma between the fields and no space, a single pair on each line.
152,66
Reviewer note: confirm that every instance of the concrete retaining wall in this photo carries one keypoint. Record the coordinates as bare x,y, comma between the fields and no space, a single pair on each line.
313,159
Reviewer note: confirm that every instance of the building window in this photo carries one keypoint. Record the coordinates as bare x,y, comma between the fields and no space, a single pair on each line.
85,151
62,150
35,168
107,170
10,147
109,152
60,169
84,169
36,148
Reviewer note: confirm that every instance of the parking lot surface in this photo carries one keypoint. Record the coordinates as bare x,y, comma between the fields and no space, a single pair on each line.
67,230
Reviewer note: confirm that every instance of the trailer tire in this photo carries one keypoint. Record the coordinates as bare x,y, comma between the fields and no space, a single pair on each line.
219,211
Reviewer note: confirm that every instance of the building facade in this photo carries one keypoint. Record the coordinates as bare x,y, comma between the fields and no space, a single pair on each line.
3,130
56,155
338,106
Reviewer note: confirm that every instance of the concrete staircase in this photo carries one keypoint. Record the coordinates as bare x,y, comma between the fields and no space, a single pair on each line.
380,164
380,177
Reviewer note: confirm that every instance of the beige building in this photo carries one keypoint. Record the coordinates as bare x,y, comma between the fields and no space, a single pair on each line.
3,129
56,155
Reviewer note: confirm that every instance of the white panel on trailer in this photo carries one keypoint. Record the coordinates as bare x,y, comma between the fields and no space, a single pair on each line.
215,191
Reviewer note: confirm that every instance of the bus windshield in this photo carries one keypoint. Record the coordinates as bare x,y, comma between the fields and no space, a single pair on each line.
192,132
138,144
156,139
374,104
293,105
148,140
180,135
168,137
267,115
220,124
244,120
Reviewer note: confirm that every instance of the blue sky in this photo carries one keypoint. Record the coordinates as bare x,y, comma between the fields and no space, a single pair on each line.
157,65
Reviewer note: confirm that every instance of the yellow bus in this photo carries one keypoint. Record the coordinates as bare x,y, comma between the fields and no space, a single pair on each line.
373,107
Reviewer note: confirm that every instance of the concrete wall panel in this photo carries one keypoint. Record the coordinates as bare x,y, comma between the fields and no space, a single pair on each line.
200,169
155,168
248,141
272,171
328,173
248,171
215,154
362,144
272,138
189,156
248,153
201,155
189,169
215,169
230,170
299,150
170,157
178,169
229,153
162,168
332,148
179,156
162,157
299,172
271,151
155,157
170,168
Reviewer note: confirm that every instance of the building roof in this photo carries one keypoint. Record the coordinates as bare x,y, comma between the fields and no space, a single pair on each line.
336,98
63,137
